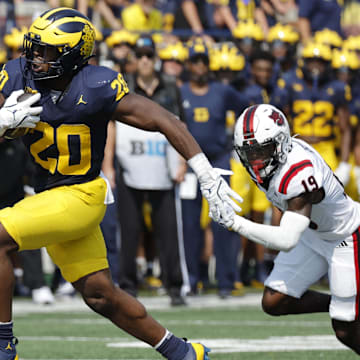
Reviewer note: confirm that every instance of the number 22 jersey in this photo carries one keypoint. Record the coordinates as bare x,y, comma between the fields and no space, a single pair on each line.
336,215
68,142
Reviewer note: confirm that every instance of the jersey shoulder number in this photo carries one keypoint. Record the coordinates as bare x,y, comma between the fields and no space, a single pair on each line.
119,84
105,81
4,77
106,85
297,179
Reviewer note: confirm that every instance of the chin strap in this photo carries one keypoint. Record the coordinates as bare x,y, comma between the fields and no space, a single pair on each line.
256,169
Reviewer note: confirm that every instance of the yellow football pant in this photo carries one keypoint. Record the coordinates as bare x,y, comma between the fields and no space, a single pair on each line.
66,221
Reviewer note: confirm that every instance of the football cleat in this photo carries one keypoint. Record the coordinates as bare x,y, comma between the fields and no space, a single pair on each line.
152,282
8,349
197,351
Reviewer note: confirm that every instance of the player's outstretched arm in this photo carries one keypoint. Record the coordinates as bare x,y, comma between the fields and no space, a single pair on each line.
283,237
138,111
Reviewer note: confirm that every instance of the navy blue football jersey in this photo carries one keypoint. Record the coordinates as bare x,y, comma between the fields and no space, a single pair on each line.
312,109
205,115
257,94
68,142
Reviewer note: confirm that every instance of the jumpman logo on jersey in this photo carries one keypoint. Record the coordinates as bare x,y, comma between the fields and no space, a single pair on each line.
81,100
8,347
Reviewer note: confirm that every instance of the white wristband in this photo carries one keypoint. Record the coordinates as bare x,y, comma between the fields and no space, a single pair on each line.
200,164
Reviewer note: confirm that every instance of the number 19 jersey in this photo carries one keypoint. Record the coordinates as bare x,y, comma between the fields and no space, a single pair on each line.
336,215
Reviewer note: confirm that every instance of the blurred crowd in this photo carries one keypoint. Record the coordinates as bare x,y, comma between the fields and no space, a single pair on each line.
205,61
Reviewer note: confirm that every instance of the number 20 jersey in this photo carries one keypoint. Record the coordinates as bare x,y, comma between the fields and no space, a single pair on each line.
334,217
68,142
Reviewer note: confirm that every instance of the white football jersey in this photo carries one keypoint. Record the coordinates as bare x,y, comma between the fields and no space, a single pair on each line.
337,215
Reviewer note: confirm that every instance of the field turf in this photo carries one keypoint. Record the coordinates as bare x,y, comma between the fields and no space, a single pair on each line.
235,329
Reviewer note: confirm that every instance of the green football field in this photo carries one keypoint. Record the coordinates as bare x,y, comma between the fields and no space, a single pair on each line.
234,328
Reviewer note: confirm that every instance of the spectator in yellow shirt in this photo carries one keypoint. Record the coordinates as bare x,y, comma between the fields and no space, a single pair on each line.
142,16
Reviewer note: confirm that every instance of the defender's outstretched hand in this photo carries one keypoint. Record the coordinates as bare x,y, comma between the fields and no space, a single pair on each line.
226,218
16,113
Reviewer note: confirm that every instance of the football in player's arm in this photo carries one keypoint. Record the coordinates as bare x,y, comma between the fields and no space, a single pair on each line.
318,232
67,118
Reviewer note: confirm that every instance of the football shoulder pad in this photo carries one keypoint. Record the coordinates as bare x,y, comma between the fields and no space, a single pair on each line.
104,85
11,77
298,175
99,76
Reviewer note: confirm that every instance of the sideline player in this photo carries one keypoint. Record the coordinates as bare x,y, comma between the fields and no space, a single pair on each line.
320,228
75,101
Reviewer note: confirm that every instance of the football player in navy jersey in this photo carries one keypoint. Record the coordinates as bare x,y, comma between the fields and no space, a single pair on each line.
65,135
318,106
206,105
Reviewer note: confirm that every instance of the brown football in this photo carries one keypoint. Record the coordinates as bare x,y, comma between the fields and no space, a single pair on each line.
17,132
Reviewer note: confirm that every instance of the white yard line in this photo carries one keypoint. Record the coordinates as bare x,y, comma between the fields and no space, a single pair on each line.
273,343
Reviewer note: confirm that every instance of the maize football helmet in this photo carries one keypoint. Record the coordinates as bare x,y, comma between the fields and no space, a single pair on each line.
262,140
226,56
345,59
66,30
248,29
284,33
318,53
328,37
176,52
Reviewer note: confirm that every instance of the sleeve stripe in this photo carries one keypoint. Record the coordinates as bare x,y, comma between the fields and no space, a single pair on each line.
292,172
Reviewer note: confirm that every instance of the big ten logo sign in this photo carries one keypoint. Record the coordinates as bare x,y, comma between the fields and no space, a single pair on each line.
148,147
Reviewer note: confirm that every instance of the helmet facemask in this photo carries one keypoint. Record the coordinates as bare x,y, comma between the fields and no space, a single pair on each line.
37,53
61,59
261,160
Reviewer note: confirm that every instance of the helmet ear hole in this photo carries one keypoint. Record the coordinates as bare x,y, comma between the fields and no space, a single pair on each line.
69,59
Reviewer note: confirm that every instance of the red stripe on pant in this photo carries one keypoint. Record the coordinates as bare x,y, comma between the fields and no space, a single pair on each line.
356,236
